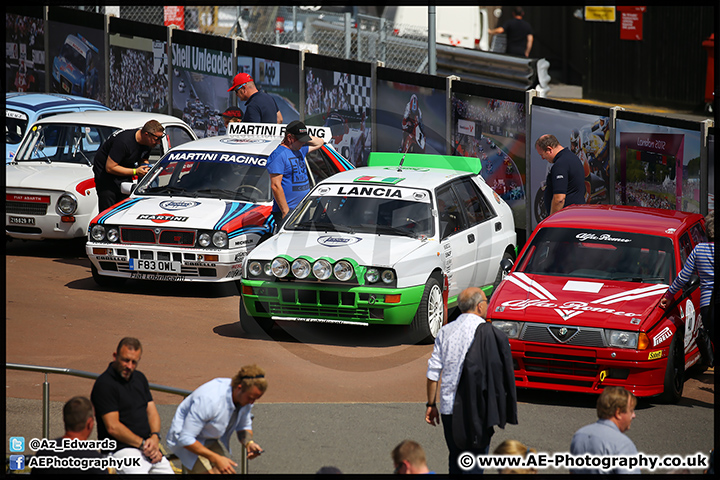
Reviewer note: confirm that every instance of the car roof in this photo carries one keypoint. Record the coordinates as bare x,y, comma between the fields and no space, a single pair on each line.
231,143
652,221
40,101
112,118
417,170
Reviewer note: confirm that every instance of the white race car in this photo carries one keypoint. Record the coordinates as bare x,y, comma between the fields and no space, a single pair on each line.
199,211
49,185
392,243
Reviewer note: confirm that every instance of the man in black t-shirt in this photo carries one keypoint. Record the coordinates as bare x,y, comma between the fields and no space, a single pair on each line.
121,157
79,423
518,33
565,182
127,414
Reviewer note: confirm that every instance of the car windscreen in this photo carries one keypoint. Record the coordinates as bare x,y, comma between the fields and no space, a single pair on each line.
222,175
63,142
365,209
599,254
15,124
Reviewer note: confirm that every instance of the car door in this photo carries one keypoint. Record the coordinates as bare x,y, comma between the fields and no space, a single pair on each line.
458,243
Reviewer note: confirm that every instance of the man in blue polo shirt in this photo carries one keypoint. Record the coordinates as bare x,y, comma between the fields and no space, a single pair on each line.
260,107
565,182
289,178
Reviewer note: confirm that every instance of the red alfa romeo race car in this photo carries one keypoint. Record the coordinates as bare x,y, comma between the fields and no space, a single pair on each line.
580,305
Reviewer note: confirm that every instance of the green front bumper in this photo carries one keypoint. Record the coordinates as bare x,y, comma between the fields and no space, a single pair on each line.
361,304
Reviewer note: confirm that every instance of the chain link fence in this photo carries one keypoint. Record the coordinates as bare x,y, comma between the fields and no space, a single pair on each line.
364,38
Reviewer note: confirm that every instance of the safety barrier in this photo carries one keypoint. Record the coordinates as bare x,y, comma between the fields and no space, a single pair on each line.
91,375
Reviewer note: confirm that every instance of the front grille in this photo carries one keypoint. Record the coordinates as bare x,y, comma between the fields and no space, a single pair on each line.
181,238
313,311
26,208
543,333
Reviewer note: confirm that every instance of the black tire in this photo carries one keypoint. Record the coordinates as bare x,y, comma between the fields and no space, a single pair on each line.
675,371
429,316
501,273
106,281
254,325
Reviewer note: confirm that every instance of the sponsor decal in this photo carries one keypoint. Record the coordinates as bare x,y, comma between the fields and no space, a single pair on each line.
605,237
178,204
162,218
111,258
273,130
337,241
373,179
157,276
200,264
689,322
84,187
371,192
234,273
12,197
655,355
664,334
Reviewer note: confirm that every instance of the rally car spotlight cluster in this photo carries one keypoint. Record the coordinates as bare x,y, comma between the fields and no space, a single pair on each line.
322,269
67,204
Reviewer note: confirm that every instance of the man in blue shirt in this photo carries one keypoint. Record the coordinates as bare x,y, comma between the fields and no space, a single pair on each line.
260,107
289,178
213,412
606,437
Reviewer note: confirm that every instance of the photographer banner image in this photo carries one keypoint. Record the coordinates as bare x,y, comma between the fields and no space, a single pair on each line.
341,102
201,77
586,135
657,166
77,61
494,131
276,78
24,53
138,74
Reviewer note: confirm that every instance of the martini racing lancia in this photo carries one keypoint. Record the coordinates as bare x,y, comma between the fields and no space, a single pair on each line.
580,306
199,211
393,243
50,186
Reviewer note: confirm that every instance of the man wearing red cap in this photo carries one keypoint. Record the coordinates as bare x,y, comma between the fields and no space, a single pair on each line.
260,107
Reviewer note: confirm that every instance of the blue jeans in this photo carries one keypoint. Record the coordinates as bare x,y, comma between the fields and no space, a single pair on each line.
454,452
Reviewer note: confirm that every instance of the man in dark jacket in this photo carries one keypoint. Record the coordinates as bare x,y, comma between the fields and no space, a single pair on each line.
485,394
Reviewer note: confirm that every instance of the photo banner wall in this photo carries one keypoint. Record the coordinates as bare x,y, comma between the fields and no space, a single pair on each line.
711,168
24,49
337,96
276,71
657,162
585,130
489,123
138,67
410,112
78,60
202,69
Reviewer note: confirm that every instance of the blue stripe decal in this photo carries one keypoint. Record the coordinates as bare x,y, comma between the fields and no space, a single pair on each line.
232,210
119,208
345,163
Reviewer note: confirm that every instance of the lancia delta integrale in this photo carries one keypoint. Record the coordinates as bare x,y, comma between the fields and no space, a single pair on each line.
581,305
199,211
392,243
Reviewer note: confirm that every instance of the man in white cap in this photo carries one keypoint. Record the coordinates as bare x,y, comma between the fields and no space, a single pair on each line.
260,107
289,178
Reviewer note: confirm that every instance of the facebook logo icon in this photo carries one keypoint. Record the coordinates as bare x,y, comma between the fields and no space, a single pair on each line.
17,462
17,444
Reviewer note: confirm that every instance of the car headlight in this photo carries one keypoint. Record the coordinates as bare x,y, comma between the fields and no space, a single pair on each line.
113,235
372,275
621,338
280,267
67,204
255,268
97,233
343,270
204,240
388,276
509,328
220,239
301,268
322,269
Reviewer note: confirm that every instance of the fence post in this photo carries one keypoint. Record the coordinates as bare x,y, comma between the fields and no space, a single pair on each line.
46,407
348,36
383,44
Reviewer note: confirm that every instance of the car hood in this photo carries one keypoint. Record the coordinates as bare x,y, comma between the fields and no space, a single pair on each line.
366,249
559,300
55,176
236,218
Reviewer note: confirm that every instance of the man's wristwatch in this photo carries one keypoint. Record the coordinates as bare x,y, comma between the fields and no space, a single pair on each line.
158,435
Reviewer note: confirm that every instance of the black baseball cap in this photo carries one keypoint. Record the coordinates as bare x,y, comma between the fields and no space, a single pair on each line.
298,129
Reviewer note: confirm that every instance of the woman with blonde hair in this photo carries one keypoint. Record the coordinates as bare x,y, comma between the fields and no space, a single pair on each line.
513,447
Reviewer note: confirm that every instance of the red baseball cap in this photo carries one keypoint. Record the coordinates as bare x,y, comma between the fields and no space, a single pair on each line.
240,80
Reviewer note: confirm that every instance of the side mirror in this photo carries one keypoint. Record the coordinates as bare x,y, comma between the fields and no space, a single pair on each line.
127,187
506,265
692,284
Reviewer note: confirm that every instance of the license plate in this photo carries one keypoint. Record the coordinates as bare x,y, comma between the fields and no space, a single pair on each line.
22,220
139,265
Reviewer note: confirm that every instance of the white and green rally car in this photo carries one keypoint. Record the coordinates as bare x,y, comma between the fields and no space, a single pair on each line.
392,243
